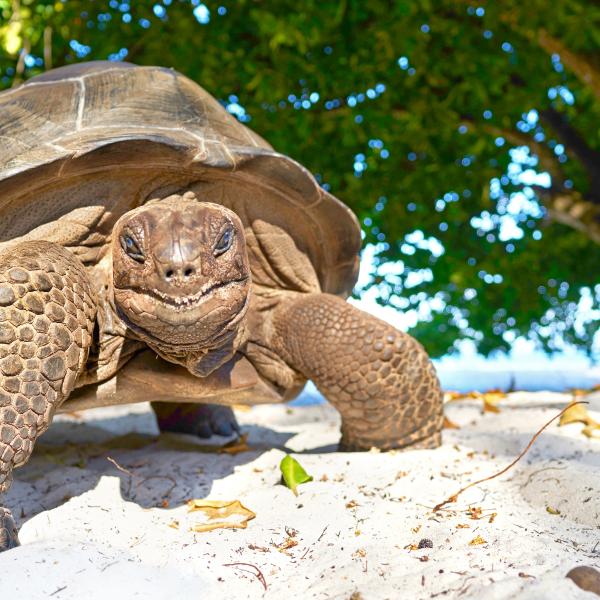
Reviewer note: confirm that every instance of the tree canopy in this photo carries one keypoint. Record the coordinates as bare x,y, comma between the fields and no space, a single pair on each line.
463,134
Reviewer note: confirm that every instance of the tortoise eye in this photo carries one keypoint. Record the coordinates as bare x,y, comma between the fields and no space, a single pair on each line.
131,248
224,242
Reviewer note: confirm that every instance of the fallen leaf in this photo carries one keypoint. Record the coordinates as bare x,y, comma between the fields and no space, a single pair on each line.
591,431
463,526
360,553
288,543
293,473
448,424
492,517
352,504
474,512
579,414
477,541
220,514
552,511
174,524
490,408
236,446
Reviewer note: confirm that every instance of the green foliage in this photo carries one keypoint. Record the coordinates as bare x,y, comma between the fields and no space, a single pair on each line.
423,130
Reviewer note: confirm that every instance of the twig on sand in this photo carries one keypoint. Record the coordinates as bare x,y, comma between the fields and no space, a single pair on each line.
454,497
122,469
257,573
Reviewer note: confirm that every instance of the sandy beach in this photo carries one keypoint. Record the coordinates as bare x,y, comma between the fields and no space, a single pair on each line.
102,510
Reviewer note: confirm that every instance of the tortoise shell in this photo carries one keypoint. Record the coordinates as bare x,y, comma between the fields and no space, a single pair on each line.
83,144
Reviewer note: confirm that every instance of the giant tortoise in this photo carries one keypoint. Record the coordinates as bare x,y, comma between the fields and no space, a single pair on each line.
153,247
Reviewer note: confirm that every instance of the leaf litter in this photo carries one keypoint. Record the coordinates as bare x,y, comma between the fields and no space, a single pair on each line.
220,514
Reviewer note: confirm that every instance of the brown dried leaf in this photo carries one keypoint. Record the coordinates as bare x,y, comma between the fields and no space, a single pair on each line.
552,511
477,541
591,431
288,543
579,414
236,446
448,424
474,512
220,514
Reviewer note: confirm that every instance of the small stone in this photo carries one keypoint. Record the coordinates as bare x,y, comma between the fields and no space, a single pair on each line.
425,543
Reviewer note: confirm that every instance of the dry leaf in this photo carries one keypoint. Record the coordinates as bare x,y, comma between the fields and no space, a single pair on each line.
448,424
174,524
474,512
591,431
477,541
288,543
492,517
552,511
236,446
579,414
352,504
220,514
360,553
463,526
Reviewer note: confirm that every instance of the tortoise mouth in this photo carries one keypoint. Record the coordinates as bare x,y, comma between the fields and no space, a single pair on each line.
189,302
192,321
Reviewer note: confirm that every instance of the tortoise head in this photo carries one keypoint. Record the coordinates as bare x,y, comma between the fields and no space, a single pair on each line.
181,277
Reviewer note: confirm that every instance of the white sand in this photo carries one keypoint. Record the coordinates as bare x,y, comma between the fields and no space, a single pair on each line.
90,531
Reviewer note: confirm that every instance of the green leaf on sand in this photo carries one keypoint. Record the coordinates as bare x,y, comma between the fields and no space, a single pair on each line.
293,473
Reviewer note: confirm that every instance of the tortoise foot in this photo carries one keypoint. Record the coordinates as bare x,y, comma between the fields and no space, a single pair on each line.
8,531
203,420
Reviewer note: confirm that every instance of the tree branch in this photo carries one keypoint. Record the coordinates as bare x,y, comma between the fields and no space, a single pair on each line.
582,68
571,209
588,157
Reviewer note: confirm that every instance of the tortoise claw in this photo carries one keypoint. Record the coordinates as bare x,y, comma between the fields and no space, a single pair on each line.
8,531
203,420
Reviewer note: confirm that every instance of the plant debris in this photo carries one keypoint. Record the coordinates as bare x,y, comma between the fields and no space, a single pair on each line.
454,497
256,572
293,474
236,446
579,414
477,541
220,514
448,424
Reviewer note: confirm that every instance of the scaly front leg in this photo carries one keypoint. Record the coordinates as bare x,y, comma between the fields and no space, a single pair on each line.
380,379
47,312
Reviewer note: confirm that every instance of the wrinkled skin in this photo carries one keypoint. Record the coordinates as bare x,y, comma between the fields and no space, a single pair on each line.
181,279
180,283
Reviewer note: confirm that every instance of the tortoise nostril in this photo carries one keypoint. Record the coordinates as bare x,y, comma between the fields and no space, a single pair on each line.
188,272
169,274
